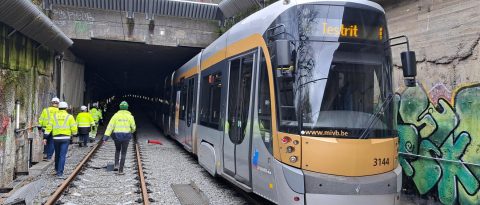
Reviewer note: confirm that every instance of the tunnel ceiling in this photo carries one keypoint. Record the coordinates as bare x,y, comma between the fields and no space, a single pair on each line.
117,67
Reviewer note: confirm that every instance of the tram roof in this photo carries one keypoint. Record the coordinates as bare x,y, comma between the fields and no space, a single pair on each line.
258,23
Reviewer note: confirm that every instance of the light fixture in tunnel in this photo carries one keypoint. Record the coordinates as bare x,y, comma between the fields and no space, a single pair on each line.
17,116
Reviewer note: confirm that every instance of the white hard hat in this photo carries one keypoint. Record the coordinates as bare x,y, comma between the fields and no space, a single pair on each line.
83,108
55,99
63,105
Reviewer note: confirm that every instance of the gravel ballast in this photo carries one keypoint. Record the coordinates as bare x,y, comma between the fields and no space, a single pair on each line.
164,165
75,154
169,164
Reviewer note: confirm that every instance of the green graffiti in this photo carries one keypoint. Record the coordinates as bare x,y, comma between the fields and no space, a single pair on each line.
440,143
81,27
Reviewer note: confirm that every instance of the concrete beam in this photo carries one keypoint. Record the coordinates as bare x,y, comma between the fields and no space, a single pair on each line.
86,24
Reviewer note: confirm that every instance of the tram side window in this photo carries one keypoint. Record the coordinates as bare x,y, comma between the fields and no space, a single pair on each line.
191,107
210,100
183,99
166,101
264,109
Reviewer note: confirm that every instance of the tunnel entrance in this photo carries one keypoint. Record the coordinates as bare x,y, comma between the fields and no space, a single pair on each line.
118,67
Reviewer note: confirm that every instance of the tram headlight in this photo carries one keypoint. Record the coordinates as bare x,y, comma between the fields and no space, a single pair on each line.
290,149
293,159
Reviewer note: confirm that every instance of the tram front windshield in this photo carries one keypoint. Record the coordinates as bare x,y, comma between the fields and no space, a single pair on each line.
341,84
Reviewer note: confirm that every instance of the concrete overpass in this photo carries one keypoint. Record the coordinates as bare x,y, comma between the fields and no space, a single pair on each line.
123,43
164,23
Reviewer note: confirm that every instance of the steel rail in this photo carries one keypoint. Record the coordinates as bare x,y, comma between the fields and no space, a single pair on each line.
56,195
143,185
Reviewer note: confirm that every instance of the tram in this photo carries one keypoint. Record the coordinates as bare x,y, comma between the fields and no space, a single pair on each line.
294,103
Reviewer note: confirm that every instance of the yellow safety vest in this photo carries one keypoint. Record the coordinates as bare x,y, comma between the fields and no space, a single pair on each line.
62,125
85,119
96,114
121,122
46,115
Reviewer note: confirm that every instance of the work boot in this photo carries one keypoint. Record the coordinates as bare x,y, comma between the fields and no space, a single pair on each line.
120,173
115,168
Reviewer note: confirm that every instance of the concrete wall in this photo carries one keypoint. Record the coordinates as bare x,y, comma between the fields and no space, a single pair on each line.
83,23
27,75
439,121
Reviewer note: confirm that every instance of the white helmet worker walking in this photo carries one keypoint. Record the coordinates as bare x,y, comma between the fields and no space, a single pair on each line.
45,117
85,125
62,127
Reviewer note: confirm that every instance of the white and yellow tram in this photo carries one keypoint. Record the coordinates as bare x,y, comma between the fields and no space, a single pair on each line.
294,104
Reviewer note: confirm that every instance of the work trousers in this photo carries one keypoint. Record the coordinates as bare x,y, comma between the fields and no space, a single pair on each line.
83,138
93,131
120,146
49,148
61,149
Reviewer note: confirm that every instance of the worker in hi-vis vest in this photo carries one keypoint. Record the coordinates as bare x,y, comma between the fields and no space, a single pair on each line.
122,125
62,126
97,116
43,121
85,124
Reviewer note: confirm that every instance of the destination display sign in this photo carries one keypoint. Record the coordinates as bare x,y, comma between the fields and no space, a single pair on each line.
352,31
335,30
336,23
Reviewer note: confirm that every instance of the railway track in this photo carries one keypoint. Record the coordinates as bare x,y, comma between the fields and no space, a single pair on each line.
92,183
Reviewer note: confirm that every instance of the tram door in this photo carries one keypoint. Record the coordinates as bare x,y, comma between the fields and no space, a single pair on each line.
190,112
237,137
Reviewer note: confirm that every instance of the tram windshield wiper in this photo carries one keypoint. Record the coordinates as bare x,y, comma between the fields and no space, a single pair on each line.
312,81
374,117
306,83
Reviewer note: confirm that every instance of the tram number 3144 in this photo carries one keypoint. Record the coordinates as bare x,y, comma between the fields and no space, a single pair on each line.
381,162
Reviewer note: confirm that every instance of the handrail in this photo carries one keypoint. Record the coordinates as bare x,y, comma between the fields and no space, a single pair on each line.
439,159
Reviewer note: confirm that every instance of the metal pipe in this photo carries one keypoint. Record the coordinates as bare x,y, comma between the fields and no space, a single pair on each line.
30,154
27,128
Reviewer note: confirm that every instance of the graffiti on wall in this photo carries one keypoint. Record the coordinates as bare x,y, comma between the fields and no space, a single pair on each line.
4,123
440,141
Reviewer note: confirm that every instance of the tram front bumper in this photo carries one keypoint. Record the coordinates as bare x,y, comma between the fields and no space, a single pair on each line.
381,189
384,199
